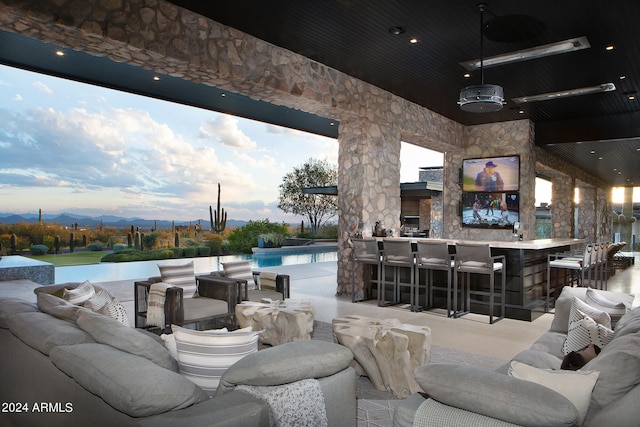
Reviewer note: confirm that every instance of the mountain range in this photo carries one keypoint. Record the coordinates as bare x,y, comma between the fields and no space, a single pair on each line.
70,219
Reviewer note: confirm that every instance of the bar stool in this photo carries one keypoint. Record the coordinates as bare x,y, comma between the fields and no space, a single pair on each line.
477,259
432,255
396,254
366,252
577,265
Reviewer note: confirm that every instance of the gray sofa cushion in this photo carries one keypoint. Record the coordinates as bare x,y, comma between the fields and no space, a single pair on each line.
619,367
496,395
57,307
105,330
11,306
550,342
623,412
43,331
629,323
287,363
129,383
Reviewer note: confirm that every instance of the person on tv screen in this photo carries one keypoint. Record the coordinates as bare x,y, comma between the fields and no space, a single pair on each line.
489,179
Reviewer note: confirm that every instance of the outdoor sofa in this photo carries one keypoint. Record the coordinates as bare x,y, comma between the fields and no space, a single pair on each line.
64,365
467,395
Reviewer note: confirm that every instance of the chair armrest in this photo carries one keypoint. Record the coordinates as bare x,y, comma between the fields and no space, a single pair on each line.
220,288
283,285
495,395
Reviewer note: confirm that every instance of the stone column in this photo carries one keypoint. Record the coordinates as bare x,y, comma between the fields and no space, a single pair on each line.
626,225
586,213
368,189
562,207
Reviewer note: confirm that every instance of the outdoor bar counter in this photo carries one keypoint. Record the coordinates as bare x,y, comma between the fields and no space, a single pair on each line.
526,272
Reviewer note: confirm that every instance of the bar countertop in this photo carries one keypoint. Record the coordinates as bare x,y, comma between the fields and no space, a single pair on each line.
515,244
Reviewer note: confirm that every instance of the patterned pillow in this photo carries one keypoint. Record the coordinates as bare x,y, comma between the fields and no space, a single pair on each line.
102,302
579,309
615,309
182,276
584,332
80,294
238,270
203,356
576,386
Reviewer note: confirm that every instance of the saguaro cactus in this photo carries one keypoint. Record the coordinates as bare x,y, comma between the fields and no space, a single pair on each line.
14,244
72,241
176,240
56,244
129,240
137,240
218,217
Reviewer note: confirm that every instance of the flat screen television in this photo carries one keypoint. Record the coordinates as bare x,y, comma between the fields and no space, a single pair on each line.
491,174
490,210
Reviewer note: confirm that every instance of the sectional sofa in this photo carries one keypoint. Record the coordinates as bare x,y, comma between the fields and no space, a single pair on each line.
64,365
466,395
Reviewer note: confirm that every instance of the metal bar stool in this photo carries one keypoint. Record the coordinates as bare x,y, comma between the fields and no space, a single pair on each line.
432,255
396,254
477,259
578,266
366,252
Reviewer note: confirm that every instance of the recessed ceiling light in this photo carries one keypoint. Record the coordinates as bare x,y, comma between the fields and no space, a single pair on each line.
59,53
605,87
156,78
520,111
610,47
223,95
623,77
599,158
413,40
564,46
593,151
397,30
467,75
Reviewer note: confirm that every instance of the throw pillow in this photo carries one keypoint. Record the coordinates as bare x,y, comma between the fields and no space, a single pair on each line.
576,386
580,308
80,294
169,341
598,301
239,270
104,303
182,276
584,332
203,356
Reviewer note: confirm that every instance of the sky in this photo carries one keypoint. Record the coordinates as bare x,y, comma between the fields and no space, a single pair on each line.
82,149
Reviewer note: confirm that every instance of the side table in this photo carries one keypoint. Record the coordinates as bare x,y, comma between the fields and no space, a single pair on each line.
385,350
281,321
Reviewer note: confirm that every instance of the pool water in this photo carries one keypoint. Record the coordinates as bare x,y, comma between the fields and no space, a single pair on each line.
107,272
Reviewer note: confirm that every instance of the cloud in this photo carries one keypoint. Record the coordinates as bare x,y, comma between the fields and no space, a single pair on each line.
17,97
43,88
225,130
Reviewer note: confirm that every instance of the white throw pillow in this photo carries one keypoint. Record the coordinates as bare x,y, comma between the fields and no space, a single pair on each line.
615,309
182,276
104,303
80,294
576,386
203,356
580,308
584,332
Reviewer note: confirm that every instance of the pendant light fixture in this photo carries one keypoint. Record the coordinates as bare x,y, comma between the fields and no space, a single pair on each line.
482,98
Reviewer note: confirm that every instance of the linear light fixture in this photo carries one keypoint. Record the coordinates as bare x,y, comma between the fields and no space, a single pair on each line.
605,87
557,48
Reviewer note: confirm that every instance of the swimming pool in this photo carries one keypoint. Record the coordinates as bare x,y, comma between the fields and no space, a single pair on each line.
107,272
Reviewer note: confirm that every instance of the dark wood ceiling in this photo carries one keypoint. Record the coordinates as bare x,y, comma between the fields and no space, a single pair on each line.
353,36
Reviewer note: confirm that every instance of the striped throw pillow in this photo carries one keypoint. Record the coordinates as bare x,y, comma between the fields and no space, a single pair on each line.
203,356
80,294
615,309
238,270
584,332
580,308
182,276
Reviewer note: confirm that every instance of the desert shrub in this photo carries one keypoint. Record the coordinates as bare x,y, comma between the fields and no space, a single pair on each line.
242,239
119,247
204,251
150,241
214,242
190,252
96,246
177,252
39,249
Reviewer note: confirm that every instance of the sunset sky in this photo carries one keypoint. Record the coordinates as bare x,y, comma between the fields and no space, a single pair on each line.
71,147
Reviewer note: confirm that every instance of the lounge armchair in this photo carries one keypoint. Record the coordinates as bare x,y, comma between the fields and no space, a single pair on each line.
259,285
214,304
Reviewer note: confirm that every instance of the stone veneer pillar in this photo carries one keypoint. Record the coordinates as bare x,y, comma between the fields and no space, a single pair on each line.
562,221
368,188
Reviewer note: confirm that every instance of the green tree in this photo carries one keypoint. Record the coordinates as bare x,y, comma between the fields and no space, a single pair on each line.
317,208
242,239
